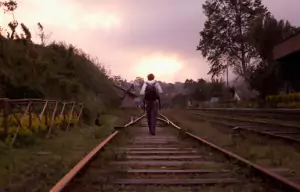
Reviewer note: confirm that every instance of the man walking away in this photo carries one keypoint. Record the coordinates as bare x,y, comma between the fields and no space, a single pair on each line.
151,101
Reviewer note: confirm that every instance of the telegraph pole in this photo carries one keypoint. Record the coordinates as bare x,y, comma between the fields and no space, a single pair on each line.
227,73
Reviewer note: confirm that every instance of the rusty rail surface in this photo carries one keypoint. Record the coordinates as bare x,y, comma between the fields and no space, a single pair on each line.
27,113
61,184
278,179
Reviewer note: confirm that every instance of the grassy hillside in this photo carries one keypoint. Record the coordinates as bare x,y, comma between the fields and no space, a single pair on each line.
56,71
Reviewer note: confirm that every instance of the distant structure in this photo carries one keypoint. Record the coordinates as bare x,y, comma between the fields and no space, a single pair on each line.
189,104
129,99
289,49
288,53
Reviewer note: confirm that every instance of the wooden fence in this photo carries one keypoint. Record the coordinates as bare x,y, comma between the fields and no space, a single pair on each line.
32,114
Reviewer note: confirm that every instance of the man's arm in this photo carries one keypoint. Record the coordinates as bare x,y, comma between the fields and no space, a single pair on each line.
144,104
142,92
158,87
159,103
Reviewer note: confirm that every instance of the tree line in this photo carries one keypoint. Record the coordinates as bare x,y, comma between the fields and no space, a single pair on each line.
240,35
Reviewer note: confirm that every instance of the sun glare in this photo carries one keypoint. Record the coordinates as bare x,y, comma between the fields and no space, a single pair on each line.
161,66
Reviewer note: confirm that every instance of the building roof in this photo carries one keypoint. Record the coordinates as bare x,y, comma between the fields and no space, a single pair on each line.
287,47
289,37
127,91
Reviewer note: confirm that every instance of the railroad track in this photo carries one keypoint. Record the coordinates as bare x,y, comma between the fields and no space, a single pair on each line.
173,160
290,133
279,114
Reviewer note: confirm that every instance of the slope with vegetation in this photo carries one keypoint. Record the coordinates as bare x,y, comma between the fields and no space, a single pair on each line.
53,71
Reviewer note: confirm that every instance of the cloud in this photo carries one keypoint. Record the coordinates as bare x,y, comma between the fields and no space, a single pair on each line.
123,32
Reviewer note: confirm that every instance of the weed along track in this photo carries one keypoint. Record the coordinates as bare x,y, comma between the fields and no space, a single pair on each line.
173,160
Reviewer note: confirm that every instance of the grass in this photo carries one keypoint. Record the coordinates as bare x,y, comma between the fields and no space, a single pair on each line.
250,119
38,167
268,153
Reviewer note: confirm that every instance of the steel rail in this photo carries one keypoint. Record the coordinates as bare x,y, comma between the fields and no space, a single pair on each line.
253,130
62,183
250,121
279,114
285,183
250,110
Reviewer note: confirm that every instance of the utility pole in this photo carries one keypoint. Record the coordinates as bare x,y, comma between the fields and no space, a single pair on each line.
227,74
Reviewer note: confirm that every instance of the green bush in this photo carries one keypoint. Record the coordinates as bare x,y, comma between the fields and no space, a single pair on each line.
57,71
291,100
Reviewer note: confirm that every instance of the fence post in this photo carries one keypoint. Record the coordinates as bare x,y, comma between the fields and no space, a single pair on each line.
6,116
30,116
52,118
70,116
80,112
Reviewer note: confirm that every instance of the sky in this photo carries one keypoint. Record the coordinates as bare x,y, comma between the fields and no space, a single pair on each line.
134,37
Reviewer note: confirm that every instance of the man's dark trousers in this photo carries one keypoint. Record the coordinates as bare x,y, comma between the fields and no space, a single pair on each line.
152,109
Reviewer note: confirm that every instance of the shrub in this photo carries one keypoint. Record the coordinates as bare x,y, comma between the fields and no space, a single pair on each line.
291,100
27,135
57,71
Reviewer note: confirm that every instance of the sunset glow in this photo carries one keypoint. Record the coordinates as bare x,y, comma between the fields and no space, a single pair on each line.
131,37
161,66
56,13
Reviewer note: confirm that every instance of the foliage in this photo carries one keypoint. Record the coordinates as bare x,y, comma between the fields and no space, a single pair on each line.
8,6
291,100
179,100
119,80
55,71
264,34
289,71
201,91
31,126
284,97
224,37
241,34
42,35
265,79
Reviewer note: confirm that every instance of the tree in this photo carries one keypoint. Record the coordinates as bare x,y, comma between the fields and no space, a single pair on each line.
179,101
26,32
224,37
190,85
264,33
12,25
265,79
42,35
118,80
8,6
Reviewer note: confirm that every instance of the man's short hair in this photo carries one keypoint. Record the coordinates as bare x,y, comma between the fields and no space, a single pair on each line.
150,77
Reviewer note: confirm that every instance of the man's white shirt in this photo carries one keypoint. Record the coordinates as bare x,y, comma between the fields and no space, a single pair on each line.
157,86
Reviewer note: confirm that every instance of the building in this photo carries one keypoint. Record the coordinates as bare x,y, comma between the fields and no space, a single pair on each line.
288,49
287,54
129,99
